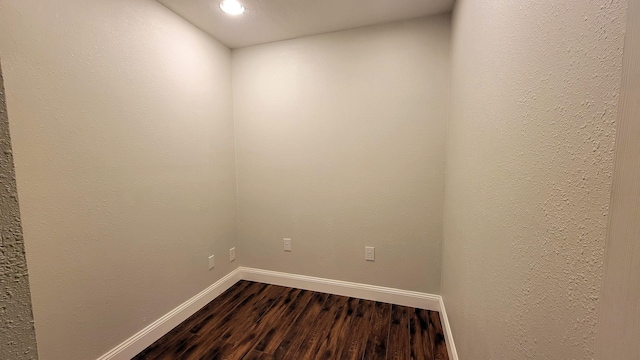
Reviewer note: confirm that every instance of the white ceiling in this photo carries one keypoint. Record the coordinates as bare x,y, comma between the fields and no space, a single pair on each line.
272,20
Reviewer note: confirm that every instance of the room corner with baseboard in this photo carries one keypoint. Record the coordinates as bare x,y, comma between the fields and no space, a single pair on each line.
154,331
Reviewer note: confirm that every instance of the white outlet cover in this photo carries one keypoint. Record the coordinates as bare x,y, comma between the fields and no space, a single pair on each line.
370,253
211,262
287,244
232,254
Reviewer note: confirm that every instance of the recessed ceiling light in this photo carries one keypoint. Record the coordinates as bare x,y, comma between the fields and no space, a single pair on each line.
232,7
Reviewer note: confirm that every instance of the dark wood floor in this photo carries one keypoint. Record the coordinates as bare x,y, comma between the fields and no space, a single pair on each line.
266,322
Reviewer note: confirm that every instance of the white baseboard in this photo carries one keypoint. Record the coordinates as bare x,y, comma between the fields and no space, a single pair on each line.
154,331
160,327
448,335
344,288
362,291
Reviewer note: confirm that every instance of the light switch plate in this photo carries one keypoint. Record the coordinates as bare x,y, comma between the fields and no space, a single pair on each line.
211,262
287,244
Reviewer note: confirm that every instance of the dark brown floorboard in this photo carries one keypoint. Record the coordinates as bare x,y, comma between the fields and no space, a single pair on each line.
376,348
257,355
301,329
333,308
421,345
437,336
253,321
353,346
331,346
278,330
399,336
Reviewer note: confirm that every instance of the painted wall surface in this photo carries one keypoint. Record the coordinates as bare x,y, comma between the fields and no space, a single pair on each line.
619,312
340,145
17,335
535,88
122,127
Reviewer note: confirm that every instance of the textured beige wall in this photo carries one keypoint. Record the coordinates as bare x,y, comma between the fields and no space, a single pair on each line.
340,144
122,127
619,311
535,90
17,335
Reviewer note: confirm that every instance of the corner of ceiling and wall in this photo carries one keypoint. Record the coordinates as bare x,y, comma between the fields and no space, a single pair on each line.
270,21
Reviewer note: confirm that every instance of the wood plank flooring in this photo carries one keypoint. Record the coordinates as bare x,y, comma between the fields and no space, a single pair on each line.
254,321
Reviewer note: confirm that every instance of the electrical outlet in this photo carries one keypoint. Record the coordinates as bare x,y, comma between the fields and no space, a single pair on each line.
232,254
211,262
370,253
287,244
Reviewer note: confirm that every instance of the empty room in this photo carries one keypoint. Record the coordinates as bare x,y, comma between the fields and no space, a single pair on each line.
306,179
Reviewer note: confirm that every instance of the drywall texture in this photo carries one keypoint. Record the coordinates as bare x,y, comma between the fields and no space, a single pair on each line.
535,89
619,313
17,335
122,128
340,145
